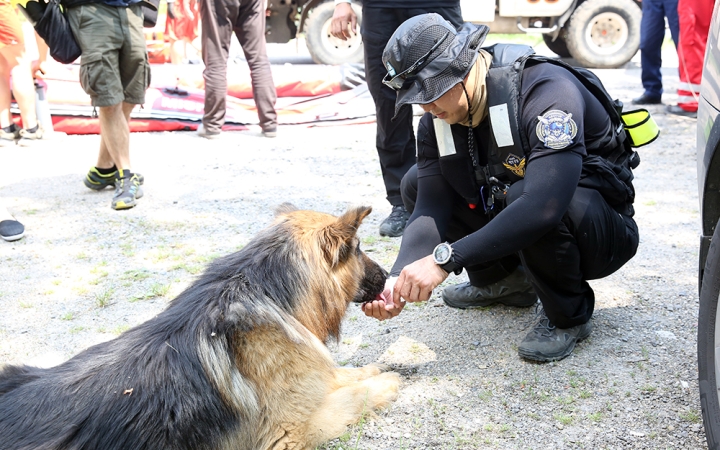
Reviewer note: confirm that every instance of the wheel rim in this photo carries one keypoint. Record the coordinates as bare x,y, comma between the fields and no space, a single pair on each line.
607,33
338,47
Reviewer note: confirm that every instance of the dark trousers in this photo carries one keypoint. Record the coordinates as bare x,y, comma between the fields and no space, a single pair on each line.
246,18
652,33
591,241
395,139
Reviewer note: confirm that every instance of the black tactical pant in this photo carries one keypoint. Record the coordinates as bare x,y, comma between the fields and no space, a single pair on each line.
591,241
395,139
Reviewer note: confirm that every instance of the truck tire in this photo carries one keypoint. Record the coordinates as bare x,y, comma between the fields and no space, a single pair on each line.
324,47
709,343
558,46
604,33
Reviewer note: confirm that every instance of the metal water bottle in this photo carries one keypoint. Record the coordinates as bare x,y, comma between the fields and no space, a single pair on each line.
42,107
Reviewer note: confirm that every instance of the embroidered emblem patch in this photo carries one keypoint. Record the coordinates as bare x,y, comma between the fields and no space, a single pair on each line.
391,69
556,129
515,164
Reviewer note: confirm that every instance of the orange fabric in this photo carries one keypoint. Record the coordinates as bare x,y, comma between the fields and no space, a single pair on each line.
185,23
10,27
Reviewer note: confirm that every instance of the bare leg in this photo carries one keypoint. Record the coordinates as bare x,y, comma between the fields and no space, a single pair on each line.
115,136
5,117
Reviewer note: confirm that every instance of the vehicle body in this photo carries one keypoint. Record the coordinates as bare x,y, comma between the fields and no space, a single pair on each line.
597,33
708,175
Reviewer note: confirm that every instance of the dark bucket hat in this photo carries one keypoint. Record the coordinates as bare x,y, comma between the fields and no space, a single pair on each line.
426,56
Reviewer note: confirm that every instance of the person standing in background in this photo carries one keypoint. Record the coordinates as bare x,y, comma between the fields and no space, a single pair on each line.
695,17
181,30
115,73
15,63
395,137
218,20
652,35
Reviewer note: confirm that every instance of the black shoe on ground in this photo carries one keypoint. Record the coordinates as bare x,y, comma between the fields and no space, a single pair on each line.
394,224
127,190
11,230
678,111
547,343
513,290
98,181
647,100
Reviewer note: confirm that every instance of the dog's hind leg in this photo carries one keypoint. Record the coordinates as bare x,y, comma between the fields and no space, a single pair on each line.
343,407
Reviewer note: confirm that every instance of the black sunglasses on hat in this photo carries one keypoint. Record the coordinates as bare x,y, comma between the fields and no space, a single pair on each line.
397,82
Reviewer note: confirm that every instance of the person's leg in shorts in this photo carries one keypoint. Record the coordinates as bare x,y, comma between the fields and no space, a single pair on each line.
115,73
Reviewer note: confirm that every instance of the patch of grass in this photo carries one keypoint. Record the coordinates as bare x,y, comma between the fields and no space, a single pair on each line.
595,417
76,330
563,418
648,388
136,275
585,394
364,345
67,316
102,299
347,341
156,290
127,249
120,329
691,416
25,305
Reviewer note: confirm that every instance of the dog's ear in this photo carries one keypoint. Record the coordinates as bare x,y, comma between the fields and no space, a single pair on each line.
285,208
338,237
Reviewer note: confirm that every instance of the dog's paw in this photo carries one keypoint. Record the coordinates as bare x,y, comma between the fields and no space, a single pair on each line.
383,389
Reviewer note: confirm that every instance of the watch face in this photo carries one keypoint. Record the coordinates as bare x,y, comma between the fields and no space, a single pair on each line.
442,253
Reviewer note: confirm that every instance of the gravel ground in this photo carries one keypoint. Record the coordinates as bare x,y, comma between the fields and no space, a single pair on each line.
84,273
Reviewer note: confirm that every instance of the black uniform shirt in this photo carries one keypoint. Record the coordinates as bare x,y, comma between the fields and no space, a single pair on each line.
553,168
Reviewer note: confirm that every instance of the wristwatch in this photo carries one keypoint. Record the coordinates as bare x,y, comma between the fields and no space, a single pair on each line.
443,256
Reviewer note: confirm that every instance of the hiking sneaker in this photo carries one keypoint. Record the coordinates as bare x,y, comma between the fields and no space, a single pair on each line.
394,224
9,137
11,230
98,181
548,343
28,138
127,190
513,290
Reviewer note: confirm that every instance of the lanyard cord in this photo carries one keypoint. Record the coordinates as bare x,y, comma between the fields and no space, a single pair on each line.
471,137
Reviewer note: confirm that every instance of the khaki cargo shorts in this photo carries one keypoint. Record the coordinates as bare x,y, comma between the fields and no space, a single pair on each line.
114,64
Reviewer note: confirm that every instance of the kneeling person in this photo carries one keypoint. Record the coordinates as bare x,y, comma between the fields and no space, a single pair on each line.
521,171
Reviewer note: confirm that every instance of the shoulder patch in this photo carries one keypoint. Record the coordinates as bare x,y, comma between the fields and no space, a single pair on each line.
515,164
556,129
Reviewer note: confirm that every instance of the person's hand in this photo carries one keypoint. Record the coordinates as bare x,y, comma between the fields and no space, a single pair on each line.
384,308
38,69
343,17
417,281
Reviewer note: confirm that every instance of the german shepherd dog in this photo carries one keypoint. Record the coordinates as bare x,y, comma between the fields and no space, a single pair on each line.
236,361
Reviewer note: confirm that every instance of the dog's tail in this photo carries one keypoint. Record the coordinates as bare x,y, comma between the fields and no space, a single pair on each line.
12,377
